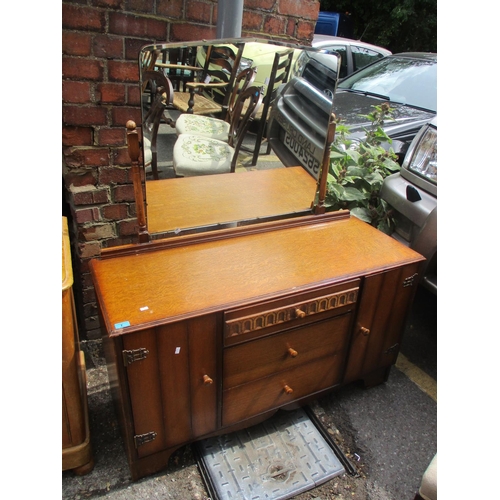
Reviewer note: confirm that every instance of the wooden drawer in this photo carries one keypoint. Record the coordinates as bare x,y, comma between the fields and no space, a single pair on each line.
248,400
263,357
258,320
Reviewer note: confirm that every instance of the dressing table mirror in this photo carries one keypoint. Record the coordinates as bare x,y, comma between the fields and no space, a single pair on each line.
265,185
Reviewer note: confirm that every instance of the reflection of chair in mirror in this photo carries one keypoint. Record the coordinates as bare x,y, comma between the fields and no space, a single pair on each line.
279,76
161,99
209,126
210,87
197,155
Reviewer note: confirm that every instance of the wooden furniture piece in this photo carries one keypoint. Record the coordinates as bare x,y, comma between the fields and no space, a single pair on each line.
76,448
197,155
207,201
206,334
279,76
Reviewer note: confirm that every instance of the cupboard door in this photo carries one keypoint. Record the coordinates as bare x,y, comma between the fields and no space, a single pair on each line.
383,308
170,397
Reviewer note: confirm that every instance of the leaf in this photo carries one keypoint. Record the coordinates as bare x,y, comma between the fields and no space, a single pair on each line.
362,213
353,194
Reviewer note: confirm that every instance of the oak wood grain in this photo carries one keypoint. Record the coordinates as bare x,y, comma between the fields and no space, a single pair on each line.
188,202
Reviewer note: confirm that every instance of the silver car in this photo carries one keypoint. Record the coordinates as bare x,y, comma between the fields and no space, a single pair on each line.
354,54
412,193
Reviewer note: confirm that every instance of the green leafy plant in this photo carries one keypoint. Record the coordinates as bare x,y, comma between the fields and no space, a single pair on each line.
358,169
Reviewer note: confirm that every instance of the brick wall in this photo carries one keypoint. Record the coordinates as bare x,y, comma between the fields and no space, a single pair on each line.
101,40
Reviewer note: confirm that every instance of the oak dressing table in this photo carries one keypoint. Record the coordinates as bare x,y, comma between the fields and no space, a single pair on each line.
209,332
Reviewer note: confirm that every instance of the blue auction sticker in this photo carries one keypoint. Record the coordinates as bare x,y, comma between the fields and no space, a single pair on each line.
123,324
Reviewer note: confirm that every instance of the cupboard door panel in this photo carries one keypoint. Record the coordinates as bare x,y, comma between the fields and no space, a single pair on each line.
173,358
203,374
379,324
145,391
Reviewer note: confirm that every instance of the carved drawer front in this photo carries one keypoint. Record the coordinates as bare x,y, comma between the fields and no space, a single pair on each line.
247,323
265,356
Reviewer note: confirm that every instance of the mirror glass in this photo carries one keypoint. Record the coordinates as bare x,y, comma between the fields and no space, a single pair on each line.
279,145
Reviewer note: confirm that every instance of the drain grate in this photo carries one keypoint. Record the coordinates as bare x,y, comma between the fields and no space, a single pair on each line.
275,460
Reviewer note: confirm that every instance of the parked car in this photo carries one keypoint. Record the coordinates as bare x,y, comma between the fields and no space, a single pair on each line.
299,120
354,54
412,193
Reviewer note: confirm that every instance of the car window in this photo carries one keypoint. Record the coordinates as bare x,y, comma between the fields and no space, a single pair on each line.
402,80
361,56
342,50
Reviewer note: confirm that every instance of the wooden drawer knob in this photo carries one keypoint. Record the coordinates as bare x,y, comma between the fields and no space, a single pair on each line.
300,313
292,352
288,389
207,380
364,331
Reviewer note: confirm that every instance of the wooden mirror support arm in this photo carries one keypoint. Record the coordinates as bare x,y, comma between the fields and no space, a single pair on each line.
134,153
325,166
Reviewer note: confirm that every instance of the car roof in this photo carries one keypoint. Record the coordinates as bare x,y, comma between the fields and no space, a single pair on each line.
321,40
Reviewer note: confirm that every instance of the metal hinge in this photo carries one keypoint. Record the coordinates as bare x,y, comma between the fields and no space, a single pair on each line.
134,355
410,280
141,439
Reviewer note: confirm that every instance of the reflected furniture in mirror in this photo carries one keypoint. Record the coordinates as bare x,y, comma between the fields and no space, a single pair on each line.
273,64
240,299
196,154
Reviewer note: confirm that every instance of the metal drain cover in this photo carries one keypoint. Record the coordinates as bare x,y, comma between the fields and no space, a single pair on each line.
277,459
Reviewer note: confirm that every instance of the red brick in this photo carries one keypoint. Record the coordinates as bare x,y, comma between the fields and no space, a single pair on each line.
199,11
121,157
171,8
80,178
108,47
126,24
83,18
76,44
84,115
111,137
260,4
96,232
252,21
112,4
185,32
123,193
87,215
77,136
82,68
141,5
115,212
121,71
121,115
114,175
134,95
128,227
111,93
88,250
305,9
274,24
76,92
133,46
81,157
305,31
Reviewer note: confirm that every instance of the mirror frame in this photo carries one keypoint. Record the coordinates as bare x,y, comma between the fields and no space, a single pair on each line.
317,200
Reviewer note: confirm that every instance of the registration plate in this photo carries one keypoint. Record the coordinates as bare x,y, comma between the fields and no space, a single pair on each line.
306,157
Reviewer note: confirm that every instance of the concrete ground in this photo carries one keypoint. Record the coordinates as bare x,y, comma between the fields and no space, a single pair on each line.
388,432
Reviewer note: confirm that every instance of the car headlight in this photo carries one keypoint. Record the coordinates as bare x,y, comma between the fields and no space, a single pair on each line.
423,161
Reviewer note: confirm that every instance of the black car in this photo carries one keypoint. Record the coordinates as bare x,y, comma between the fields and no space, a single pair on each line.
299,119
